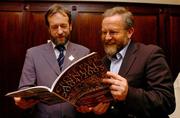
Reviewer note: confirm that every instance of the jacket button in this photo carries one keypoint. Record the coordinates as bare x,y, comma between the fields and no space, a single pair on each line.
112,107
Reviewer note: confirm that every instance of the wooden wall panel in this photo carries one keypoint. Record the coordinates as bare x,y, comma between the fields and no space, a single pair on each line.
87,25
146,29
146,24
12,51
87,31
12,44
174,41
35,29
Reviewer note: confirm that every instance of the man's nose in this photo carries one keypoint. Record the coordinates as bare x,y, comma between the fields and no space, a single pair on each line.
108,36
59,30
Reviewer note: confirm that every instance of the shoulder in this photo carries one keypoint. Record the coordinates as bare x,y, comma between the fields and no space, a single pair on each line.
145,52
148,48
149,53
39,48
75,46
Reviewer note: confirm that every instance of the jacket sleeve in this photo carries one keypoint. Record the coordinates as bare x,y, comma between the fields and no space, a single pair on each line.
28,76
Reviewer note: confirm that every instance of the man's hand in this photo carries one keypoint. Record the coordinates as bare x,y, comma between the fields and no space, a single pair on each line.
118,86
101,108
23,103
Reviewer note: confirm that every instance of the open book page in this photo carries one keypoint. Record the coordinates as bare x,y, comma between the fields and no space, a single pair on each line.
81,83
41,93
29,92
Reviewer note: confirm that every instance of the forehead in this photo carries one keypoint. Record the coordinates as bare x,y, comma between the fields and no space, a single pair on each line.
112,21
58,18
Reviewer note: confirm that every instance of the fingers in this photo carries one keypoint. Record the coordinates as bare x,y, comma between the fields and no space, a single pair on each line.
101,108
84,109
118,86
114,76
24,104
115,80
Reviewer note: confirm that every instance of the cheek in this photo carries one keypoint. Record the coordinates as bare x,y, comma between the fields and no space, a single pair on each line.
67,32
102,38
121,41
53,34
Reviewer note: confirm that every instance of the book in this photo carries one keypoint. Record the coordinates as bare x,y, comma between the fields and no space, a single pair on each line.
80,84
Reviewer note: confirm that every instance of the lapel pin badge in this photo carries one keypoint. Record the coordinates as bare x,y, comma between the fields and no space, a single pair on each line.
71,58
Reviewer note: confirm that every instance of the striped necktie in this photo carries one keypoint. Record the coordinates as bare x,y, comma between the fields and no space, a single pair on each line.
61,56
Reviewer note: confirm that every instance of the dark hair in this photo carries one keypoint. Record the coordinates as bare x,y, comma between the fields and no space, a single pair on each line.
56,8
127,15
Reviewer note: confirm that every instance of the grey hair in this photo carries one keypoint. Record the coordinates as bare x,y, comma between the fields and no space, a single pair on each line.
125,13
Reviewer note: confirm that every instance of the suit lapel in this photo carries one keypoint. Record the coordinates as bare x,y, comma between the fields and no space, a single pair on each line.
50,57
128,60
69,52
106,62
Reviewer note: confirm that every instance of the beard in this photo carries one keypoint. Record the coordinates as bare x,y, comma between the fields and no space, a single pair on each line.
58,41
111,50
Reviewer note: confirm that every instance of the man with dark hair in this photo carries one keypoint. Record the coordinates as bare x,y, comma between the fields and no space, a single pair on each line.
44,63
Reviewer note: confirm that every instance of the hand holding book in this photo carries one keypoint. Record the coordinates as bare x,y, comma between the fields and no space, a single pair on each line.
80,84
99,109
25,103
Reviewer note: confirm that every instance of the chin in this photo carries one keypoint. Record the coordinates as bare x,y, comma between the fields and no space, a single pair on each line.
61,42
110,50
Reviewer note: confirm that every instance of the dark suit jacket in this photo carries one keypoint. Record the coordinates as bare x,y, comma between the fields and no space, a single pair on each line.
150,93
41,68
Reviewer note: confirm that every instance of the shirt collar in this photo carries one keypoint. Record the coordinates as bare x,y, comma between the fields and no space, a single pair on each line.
122,52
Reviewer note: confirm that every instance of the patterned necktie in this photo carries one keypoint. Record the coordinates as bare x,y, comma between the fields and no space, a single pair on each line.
61,56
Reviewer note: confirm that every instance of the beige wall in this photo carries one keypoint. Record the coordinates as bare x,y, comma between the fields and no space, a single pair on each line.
174,2
154,1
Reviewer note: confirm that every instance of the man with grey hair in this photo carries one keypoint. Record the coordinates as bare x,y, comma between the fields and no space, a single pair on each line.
139,77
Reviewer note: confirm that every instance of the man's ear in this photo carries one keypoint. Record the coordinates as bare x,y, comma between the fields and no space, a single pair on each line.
49,30
70,27
130,32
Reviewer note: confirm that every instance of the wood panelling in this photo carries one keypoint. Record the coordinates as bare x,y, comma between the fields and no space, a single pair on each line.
174,40
88,35
12,51
87,25
22,26
146,29
35,29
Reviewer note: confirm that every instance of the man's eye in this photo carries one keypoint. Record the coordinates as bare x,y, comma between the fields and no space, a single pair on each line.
109,32
113,32
54,27
104,33
63,26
